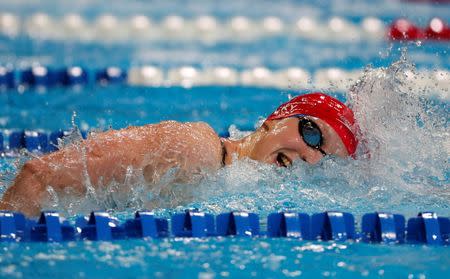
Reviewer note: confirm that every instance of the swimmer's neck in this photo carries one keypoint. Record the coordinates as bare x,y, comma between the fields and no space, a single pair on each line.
237,149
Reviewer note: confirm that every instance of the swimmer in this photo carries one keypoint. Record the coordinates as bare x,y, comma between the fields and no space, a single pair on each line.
308,127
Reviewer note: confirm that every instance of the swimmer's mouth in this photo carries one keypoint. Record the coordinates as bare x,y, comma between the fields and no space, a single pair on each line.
283,160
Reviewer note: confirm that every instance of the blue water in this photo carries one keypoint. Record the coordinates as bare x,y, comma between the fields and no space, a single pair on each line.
412,175
222,258
120,106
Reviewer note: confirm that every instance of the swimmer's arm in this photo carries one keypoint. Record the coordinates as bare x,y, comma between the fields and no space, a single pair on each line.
89,163
107,156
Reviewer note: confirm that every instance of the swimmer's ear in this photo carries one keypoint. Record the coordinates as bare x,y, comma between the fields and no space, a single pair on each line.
268,125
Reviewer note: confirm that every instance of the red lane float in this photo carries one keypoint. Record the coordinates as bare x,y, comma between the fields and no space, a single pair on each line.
437,30
404,30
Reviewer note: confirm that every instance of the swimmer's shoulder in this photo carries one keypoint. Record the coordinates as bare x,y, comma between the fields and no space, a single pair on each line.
194,127
168,128
196,142
202,126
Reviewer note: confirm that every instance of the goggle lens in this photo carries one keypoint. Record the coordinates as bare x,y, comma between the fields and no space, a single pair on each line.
311,134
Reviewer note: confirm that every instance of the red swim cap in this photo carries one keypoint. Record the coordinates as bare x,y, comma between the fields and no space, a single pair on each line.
326,108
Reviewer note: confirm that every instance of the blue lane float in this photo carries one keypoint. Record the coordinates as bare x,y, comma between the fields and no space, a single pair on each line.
332,225
46,77
7,226
7,80
14,226
100,226
16,140
22,226
289,224
74,76
426,228
33,141
145,224
51,228
238,224
192,224
39,76
37,141
110,75
383,227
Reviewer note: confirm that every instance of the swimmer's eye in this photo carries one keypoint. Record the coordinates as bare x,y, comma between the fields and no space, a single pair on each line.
311,134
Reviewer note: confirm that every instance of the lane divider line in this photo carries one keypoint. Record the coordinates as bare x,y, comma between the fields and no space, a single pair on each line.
378,227
293,78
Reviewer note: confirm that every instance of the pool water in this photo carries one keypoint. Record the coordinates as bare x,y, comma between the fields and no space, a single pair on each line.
404,121
222,258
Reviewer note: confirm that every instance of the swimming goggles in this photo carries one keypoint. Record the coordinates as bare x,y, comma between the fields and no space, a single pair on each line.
311,134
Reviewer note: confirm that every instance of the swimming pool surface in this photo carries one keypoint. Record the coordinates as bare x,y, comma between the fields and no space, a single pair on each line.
408,124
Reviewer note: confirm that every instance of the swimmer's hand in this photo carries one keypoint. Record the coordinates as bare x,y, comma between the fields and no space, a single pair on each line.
151,150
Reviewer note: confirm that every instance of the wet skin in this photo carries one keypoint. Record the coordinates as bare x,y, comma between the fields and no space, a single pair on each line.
281,138
191,149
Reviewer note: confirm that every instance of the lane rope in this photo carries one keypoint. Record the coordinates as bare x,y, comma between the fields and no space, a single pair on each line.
109,28
293,78
378,227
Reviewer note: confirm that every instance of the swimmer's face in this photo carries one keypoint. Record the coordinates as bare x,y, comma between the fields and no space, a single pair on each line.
279,142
